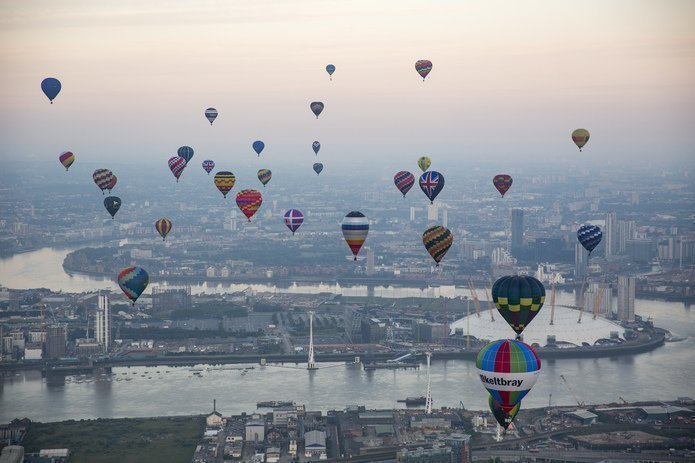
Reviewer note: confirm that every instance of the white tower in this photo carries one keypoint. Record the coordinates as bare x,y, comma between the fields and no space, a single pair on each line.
311,364
103,322
428,400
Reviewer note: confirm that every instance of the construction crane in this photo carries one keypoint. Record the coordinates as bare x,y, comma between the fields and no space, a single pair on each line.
580,403
623,400
552,302
476,302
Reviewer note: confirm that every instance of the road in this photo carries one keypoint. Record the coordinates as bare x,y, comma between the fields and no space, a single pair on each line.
578,456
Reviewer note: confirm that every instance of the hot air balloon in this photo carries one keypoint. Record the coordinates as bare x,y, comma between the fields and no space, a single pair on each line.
133,281
249,201
51,87
293,219
112,204
186,152
431,183
423,67
424,163
211,114
404,181
518,299
264,175
580,137
112,183
316,108
330,69
163,227
66,158
589,236
102,177
316,146
355,228
318,167
258,146
437,241
208,165
176,165
508,369
224,181
503,418
502,182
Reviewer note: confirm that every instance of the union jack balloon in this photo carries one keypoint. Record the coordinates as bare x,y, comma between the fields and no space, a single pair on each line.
431,183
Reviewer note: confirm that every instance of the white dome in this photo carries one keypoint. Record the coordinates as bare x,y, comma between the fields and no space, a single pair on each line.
565,327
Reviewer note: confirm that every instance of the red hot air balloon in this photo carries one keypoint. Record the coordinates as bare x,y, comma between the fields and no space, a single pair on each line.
112,183
249,201
502,182
404,181
66,158
103,178
177,164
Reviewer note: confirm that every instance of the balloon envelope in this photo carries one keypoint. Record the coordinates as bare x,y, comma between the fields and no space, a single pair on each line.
264,175
424,163
112,204
503,418
258,146
437,241
518,299
355,228
133,281
589,236
66,158
318,167
51,87
224,181
185,152
580,137
249,201
502,182
176,165
423,67
208,165
316,146
316,108
293,219
404,181
330,69
163,227
211,115
508,369
112,183
102,178
431,183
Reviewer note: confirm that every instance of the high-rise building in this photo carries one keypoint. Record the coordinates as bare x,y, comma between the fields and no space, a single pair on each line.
626,231
55,341
166,298
611,234
370,261
599,299
432,213
103,322
517,231
445,218
424,455
626,298
460,447
581,259
412,214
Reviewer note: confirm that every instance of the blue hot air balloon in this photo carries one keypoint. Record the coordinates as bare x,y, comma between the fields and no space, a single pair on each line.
133,281
318,167
316,146
112,204
589,236
186,152
258,146
51,87
431,183
330,69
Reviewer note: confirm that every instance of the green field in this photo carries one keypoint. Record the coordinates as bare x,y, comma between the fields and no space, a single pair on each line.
131,440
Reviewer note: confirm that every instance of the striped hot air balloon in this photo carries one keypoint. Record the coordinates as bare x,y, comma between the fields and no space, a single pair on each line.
423,67
264,175
102,178
211,115
176,165
518,299
508,369
502,182
186,152
224,181
404,181
112,183
66,158
249,201
355,229
163,227
293,219
437,241
580,137
589,236
133,281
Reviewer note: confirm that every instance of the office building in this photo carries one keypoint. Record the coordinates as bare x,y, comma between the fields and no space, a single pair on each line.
626,299
610,234
599,299
626,231
370,262
55,341
103,322
423,455
445,218
581,261
166,298
640,250
460,447
432,213
517,231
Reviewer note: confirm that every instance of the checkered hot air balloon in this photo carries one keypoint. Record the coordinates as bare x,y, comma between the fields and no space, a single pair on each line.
589,236
176,165
66,158
293,219
508,370
518,299
249,201
502,182
355,229
404,181
133,281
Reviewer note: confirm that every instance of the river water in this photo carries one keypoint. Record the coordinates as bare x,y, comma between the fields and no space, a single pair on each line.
663,374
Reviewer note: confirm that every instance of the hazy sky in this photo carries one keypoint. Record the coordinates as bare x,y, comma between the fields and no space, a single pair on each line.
510,81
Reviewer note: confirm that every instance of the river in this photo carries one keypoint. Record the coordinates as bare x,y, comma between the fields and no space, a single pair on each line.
663,374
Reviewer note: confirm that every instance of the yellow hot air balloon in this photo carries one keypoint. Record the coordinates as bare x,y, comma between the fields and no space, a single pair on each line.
424,163
580,137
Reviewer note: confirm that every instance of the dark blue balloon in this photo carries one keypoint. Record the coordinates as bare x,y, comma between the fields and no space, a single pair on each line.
186,152
318,167
112,204
431,183
258,146
330,69
51,87
589,236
